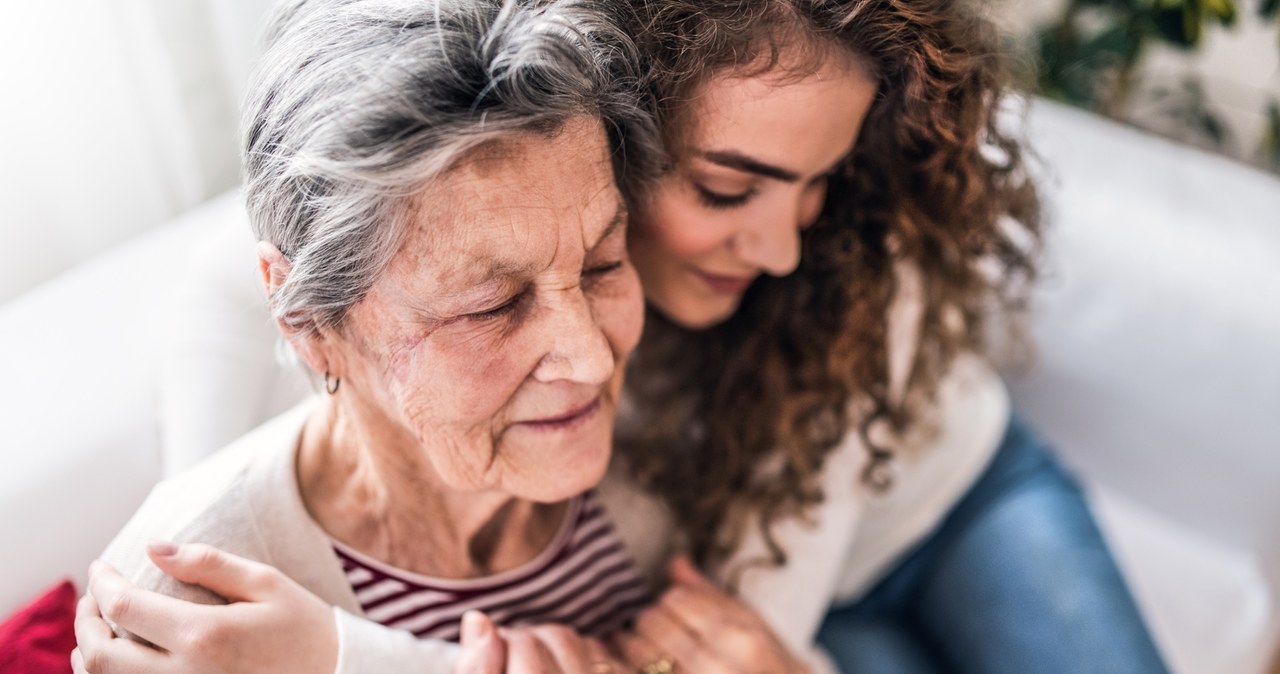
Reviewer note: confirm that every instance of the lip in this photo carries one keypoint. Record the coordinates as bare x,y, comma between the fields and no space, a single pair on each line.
725,285
568,420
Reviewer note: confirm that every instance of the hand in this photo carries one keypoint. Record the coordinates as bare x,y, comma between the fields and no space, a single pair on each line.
554,649
271,625
483,651
700,629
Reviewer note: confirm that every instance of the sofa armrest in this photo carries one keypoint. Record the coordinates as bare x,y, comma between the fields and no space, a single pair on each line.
80,429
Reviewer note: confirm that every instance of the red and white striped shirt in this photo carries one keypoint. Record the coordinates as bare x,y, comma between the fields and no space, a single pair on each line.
584,579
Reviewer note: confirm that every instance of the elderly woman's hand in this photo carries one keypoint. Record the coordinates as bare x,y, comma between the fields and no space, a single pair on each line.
556,649
540,649
272,624
697,627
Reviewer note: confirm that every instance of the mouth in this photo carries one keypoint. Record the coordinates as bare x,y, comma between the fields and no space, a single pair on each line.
570,419
724,285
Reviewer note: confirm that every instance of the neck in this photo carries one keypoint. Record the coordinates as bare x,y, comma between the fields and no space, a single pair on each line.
375,490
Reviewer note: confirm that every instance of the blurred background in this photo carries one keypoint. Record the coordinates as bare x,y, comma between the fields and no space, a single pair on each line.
122,113
1157,322
1205,72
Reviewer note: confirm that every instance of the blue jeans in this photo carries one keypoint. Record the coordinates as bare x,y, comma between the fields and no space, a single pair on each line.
1016,579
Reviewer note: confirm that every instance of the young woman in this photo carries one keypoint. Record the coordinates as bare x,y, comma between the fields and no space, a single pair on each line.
841,218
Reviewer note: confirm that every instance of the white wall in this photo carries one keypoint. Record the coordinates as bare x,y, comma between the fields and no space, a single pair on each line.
118,115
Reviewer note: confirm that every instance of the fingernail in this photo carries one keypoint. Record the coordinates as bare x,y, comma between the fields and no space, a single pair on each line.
162,548
472,626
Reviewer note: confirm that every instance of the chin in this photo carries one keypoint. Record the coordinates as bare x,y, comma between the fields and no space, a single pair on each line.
697,315
574,480
572,469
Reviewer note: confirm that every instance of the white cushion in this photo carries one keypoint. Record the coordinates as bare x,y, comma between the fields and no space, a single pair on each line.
1157,376
220,371
1209,606
81,437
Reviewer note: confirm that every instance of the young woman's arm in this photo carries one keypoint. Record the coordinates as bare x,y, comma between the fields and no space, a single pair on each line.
272,624
275,625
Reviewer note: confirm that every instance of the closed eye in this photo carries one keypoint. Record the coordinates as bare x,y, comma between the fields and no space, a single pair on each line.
600,273
713,199
604,269
499,311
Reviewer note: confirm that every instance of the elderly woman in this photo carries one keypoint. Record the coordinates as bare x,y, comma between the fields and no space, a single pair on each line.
443,245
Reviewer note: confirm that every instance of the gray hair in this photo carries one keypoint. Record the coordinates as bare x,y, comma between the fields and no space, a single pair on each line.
358,102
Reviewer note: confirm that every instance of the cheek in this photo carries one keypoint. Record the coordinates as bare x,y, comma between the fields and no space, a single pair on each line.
453,388
675,225
455,407
811,205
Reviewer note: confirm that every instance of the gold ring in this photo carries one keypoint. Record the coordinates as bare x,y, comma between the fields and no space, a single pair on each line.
663,665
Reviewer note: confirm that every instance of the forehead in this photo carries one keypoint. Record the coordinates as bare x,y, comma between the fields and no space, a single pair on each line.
512,206
780,117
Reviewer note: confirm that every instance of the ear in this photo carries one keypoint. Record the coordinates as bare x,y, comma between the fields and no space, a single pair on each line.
275,268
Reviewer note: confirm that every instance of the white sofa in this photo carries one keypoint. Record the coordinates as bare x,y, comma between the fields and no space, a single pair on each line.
1158,376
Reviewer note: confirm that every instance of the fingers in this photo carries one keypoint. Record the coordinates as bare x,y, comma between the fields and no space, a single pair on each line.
682,570
98,650
482,651
696,601
569,650
602,661
233,577
91,630
670,636
705,610
122,656
526,654
155,617
705,627
638,651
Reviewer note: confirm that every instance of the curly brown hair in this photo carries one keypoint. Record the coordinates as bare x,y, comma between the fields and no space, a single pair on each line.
733,423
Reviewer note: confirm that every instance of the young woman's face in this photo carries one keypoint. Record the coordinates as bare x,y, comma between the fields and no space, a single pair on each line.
751,175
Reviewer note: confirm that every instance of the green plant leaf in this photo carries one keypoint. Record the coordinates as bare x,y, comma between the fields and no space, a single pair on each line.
1123,6
1270,150
1223,10
1072,68
1179,27
1213,128
1116,45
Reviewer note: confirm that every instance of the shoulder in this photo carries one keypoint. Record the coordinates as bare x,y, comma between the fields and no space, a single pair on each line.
643,522
210,503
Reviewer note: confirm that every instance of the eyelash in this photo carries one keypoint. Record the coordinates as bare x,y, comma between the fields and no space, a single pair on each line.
515,302
499,311
604,269
717,200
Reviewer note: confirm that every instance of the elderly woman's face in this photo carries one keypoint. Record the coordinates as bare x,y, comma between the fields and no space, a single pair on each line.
496,339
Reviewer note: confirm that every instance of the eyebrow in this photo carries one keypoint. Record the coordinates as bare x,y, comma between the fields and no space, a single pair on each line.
741,162
619,217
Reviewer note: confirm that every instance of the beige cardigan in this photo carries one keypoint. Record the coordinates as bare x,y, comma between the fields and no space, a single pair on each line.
245,500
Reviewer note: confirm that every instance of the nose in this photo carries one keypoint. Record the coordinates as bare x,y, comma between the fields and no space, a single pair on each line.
578,349
773,242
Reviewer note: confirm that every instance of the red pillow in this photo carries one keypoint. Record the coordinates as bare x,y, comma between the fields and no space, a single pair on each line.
38,638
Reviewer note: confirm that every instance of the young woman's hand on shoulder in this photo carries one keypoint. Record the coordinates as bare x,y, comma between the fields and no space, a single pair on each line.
272,625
